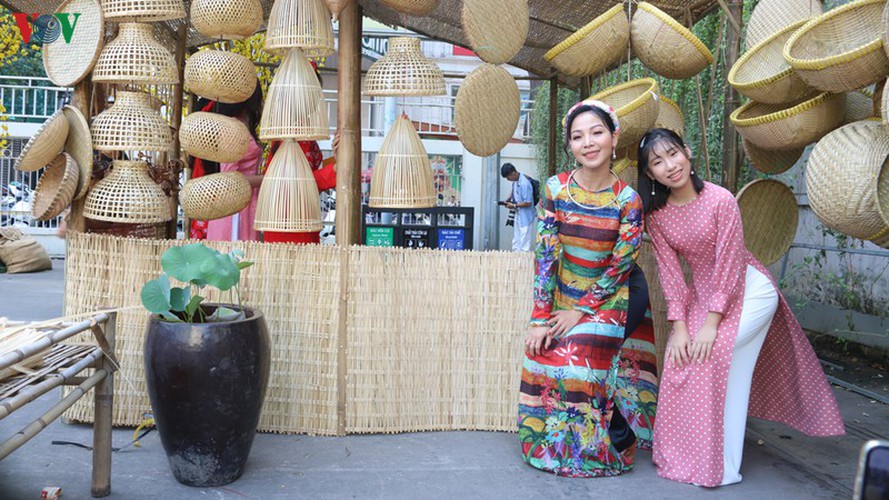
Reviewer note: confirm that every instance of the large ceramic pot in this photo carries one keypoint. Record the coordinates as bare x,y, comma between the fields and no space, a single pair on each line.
207,382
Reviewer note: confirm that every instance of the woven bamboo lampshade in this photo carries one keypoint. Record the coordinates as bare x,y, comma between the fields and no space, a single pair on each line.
288,197
127,194
215,196
487,110
770,217
303,24
145,11
669,116
294,107
56,187
402,175
227,19
45,144
417,8
135,57
664,45
131,125
771,16
770,161
775,126
594,47
220,76
68,63
214,137
496,30
637,107
404,70
842,177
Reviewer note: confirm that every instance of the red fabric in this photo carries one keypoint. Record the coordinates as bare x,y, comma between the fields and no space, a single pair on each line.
310,149
325,176
303,238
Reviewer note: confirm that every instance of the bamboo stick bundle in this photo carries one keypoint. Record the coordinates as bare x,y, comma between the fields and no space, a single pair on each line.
402,176
288,197
294,107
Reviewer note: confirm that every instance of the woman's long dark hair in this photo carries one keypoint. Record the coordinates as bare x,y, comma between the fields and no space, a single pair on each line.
250,110
654,136
569,120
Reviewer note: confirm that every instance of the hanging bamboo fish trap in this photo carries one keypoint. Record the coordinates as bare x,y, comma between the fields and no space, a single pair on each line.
303,24
771,161
145,11
772,16
336,7
637,107
135,57
56,187
220,76
417,8
770,216
403,71
130,124
214,137
215,196
402,175
294,107
669,116
496,30
594,47
665,46
288,197
45,144
226,19
128,195
775,126
487,110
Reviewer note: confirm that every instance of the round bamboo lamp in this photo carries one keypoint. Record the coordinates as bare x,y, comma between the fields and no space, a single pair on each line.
143,10
226,19
135,57
294,107
665,46
496,30
403,71
776,126
417,8
637,107
402,175
594,47
128,195
487,110
220,76
215,196
56,187
771,16
770,161
130,124
214,137
770,217
288,199
45,144
303,24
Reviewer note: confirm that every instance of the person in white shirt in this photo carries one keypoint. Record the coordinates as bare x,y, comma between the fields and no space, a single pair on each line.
522,201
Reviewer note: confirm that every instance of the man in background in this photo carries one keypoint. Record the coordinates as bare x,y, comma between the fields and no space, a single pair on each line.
522,201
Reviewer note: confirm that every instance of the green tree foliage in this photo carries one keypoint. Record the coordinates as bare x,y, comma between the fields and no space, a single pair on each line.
16,57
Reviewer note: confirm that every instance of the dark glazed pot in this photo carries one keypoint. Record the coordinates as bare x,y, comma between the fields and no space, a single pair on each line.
207,382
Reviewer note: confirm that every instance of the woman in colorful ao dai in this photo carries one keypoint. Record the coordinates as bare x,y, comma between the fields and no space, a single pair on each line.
588,390
731,328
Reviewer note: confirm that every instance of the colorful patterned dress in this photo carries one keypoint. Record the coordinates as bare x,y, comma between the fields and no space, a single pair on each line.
569,393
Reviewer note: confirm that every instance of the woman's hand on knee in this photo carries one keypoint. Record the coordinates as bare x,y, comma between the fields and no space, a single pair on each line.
678,347
702,347
537,340
561,322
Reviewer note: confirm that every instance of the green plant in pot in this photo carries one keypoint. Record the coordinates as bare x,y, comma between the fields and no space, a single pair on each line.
206,365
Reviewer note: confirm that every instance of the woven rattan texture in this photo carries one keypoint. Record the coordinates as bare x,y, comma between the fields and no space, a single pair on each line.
294,106
128,195
402,173
227,19
221,76
288,197
859,106
883,192
773,126
771,16
143,10
79,145
594,47
45,144
135,57
412,7
130,124
770,216
770,161
69,62
214,137
303,24
669,116
487,109
841,180
636,105
403,71
665,46
56,187
215,196
496,30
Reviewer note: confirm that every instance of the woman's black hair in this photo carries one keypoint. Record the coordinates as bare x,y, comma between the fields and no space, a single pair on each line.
569,120
250,110
654,136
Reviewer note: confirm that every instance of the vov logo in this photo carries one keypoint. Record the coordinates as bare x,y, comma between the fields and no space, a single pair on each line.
46,28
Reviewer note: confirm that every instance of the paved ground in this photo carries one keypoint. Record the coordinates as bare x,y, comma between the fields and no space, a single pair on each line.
778,462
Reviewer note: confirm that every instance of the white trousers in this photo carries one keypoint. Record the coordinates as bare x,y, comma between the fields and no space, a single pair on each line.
760,304
521,238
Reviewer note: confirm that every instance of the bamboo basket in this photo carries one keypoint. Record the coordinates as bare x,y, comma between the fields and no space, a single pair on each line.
131,125
593,47
214,137
303,24
135,57
143,10
841,50
226,19
763,75
669,116
771,162
770,216
859,106
294,107
487,110
79,145
288,197
402,175
771,16
128,195
215,196
45,144
403,71
56,187
842,177
626,169
336,7
220,76
68,63
665,46
636,105
496,30
772,126
417,8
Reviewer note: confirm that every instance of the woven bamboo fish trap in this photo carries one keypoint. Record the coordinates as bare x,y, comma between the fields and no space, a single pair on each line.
487,110
145,11
214,137
637,107
593,47
288,197
226,19
770,161
220,76
417,8
79,145
763,75
404,71
842,177
45,144
859,106
294,107
669,116
215,196
496,30
774,126
68,63
770,216
130,124
402,175
336,7
135,57
56,187
665,46
128,195
841,50
303,24
772,16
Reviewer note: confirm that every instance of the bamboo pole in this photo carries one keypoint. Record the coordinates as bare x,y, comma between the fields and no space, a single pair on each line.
553,125
586,84
348,178
731,157
176,122
104,403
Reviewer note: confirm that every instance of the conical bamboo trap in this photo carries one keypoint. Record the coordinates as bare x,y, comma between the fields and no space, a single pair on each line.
771,161
131,125
56,187
770,216
294,107
496,30
143,10
220,76
637,107
403,71
303,24
215,196
487,110
417,8
776,126
771,16
226,19
594,47
665,46
135,57
128,195
288,197
45,144
214,137
402,175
